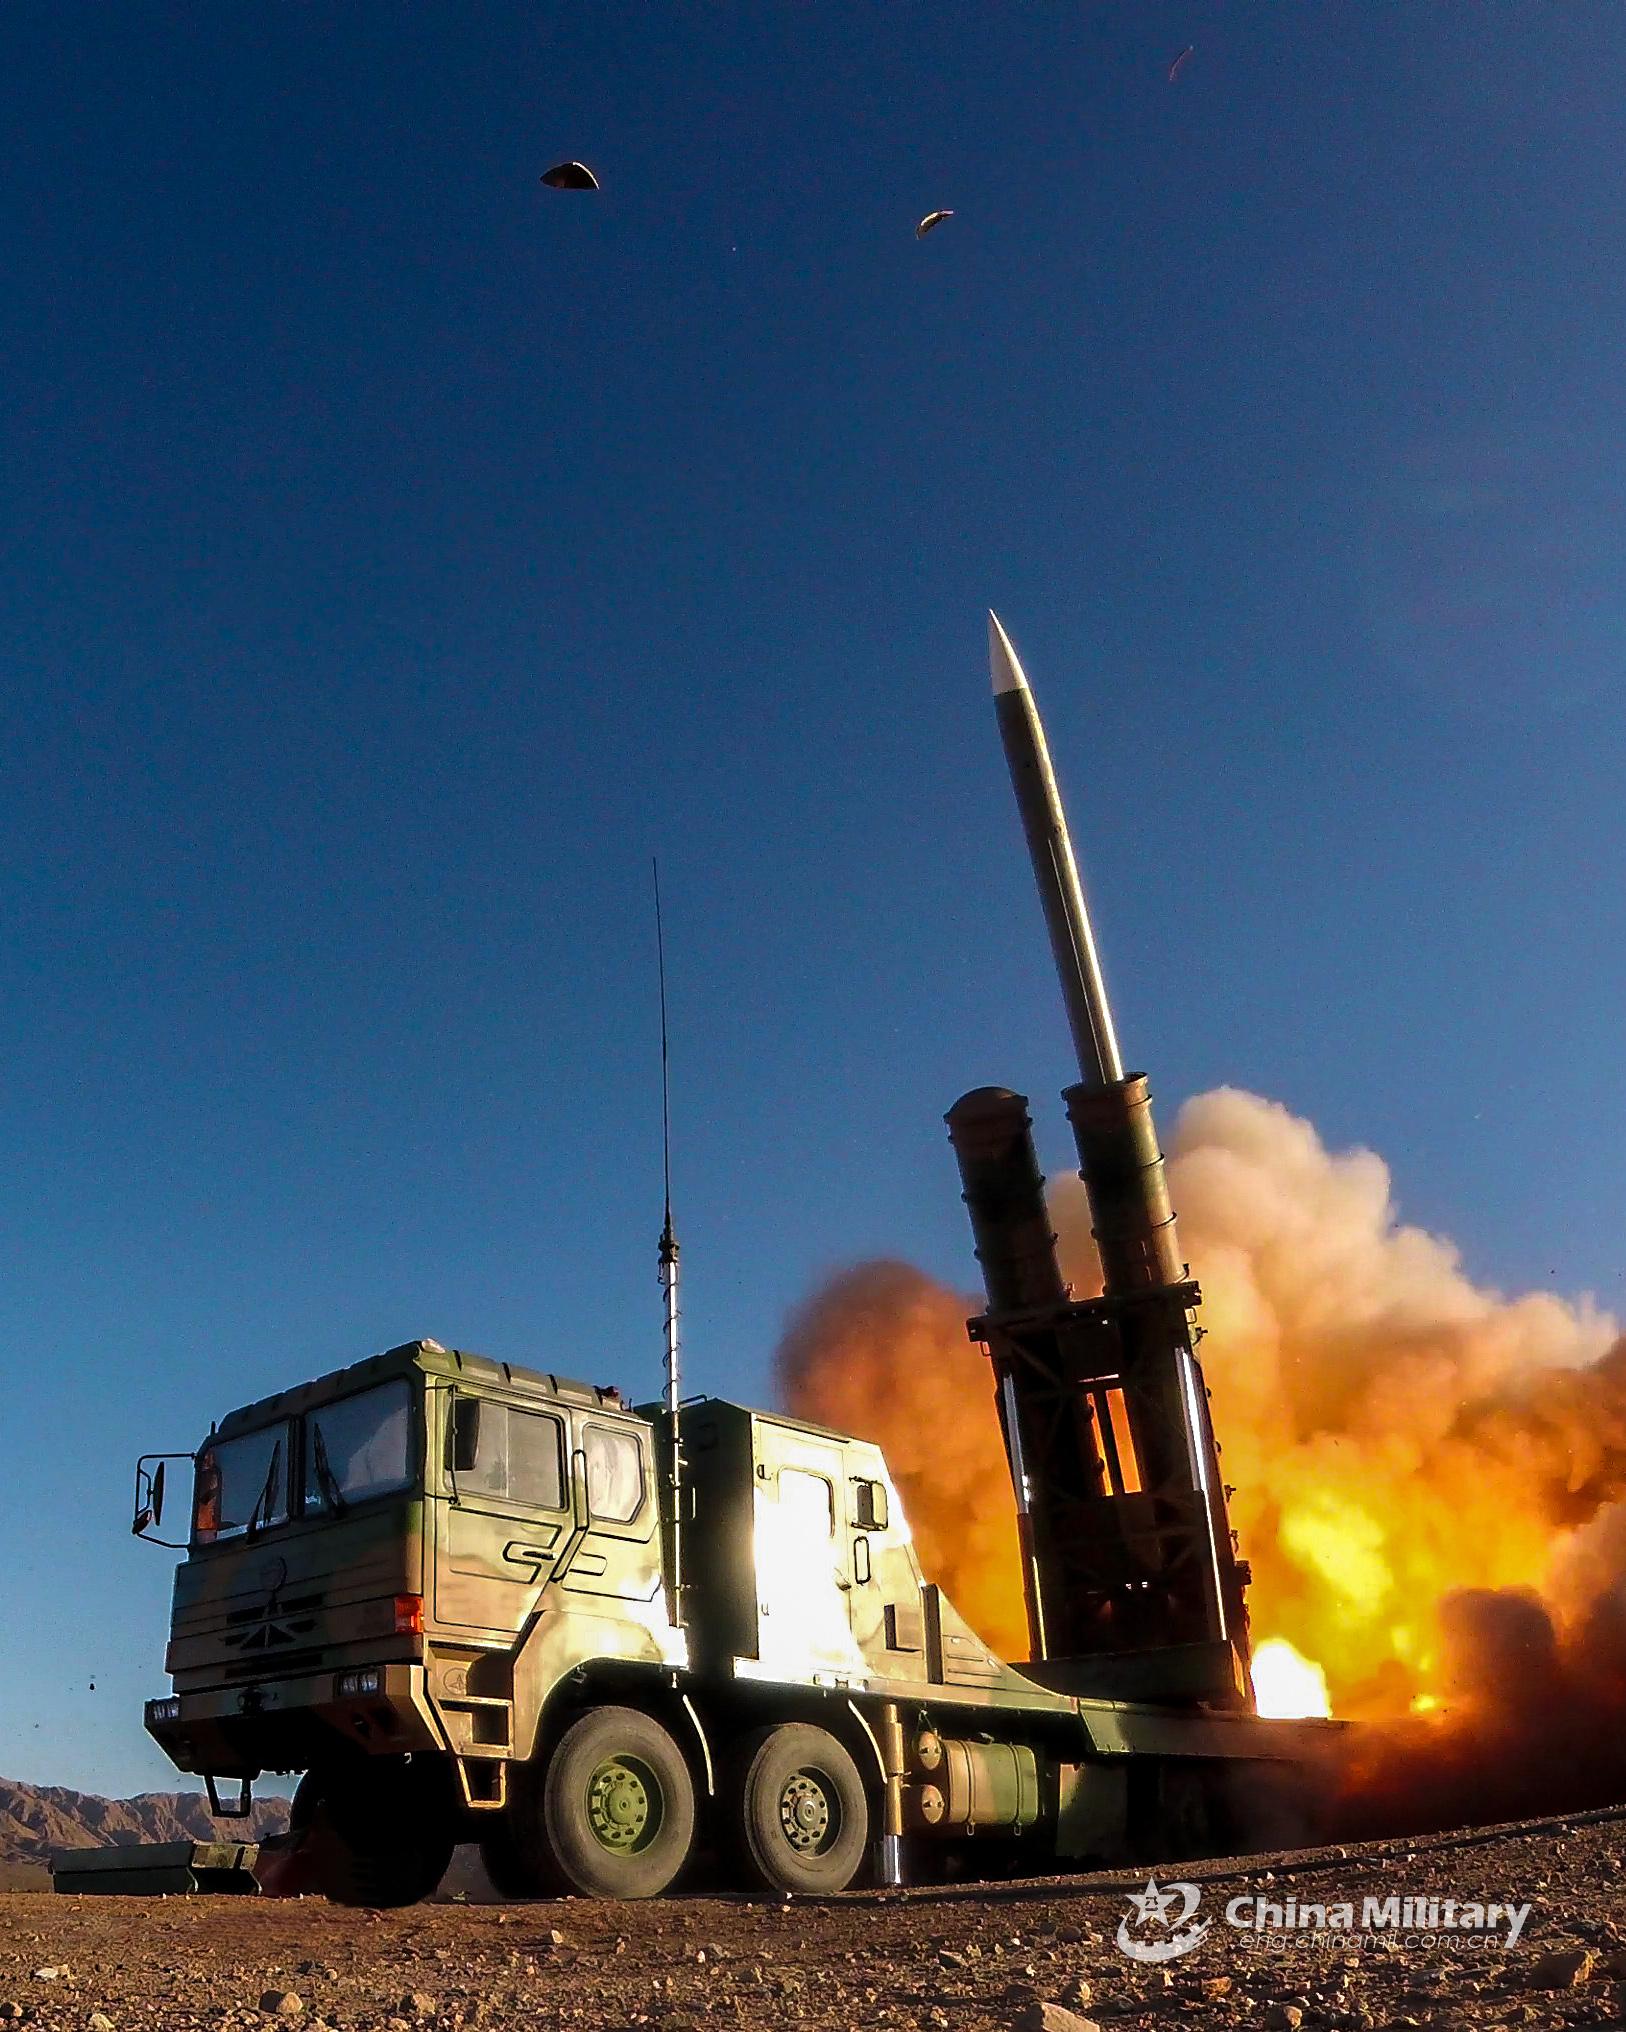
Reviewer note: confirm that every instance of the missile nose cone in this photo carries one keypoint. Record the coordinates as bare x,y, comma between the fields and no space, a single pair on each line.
1003,665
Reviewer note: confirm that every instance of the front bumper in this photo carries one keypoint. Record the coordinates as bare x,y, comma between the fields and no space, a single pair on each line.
291,1724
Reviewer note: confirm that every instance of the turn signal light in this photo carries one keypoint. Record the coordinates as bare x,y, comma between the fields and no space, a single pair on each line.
409,1615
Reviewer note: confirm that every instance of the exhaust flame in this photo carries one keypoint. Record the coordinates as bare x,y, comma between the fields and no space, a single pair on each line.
1287,1684
1430,1477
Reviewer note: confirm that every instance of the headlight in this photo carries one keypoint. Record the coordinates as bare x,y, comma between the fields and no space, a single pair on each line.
163,1710
348,1684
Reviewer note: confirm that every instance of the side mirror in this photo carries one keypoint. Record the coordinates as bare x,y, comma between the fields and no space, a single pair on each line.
149,1498
465,1447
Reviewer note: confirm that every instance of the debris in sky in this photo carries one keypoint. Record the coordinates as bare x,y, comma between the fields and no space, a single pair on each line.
570,176
1174,68
930,222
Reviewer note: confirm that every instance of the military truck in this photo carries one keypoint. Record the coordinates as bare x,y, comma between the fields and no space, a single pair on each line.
470,1601
437,1585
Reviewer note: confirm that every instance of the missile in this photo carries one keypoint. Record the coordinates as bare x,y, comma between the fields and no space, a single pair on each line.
1067,918
1111,1113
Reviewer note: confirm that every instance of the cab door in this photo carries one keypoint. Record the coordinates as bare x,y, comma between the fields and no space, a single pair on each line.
619,1555
506,1519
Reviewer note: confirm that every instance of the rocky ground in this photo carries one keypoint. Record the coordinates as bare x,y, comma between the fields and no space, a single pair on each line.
1039,1955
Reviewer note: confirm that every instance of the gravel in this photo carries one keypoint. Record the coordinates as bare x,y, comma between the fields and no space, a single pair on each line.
974,1959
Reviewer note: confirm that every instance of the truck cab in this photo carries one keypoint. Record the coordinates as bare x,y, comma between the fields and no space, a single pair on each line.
366,1565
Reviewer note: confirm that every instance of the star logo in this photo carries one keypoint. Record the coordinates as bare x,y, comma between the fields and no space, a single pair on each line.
1170,1907
1152,1906
265,1627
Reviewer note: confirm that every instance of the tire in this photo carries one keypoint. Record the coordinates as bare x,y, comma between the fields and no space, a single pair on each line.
802,1814
511,1875
376,1834
615,1815
513,1845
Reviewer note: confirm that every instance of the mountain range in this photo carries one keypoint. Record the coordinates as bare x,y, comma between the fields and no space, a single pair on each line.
34,1819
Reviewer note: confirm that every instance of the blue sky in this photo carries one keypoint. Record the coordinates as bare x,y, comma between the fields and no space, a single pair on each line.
394,555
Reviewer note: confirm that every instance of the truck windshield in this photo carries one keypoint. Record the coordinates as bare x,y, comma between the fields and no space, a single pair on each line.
242,1484
358,1447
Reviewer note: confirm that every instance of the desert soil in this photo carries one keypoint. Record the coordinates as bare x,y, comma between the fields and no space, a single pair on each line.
983,1959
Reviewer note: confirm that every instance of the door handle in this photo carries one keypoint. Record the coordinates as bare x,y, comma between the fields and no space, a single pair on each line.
578,1504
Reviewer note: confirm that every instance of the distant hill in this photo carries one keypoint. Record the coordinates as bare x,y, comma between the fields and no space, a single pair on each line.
34,1819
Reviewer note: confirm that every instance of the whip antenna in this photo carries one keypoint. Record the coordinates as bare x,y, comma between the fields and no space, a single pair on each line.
669,1274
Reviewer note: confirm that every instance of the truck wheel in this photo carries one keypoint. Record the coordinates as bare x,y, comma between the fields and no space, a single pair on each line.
803,1813
512,1876
617,1805
378,1835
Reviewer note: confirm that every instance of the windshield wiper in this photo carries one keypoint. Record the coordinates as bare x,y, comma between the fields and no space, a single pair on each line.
268,1493
326,1479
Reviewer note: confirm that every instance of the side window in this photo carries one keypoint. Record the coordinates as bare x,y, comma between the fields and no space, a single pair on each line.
615,1473
809,1500
869,1504
536,1472
518,1456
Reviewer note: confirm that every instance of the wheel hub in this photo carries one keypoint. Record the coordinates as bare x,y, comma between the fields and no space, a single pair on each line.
804,1812
623,1805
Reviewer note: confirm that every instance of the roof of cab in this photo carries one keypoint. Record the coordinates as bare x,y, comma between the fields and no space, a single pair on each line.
698,1406
427,1357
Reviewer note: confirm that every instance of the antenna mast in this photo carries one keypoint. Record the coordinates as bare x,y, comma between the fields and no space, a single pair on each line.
669,1276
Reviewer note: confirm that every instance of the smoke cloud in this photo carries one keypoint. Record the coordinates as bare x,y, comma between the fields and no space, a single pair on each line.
1429,1476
